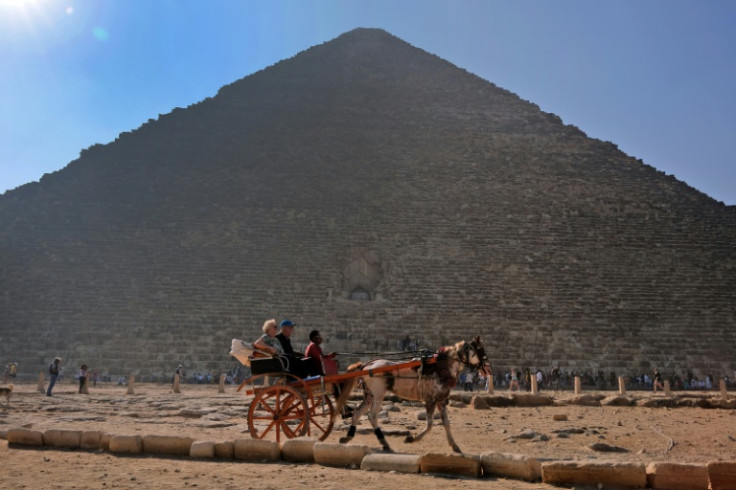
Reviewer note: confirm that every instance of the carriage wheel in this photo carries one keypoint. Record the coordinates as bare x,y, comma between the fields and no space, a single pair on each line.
276,410
321,413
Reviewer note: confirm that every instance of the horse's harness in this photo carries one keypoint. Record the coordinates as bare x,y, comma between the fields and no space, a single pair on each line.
440,368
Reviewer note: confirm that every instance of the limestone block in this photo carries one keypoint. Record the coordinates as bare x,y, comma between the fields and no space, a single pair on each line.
90,439
528,400
508,465
224,450
155,444
450,464
677,476
400,463
202,449
479,403
256,450
105,441
299,450
126,444
331,454
594,473
722,475
62,438
25,437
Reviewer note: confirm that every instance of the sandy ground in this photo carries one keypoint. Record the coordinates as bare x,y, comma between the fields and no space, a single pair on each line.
645,434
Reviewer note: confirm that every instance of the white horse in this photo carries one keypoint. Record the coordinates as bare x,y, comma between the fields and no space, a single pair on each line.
430,383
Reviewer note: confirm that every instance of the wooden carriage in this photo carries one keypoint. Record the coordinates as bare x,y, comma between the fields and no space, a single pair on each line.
287,406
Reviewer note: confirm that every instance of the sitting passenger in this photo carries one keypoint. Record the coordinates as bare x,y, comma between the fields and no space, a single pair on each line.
269,342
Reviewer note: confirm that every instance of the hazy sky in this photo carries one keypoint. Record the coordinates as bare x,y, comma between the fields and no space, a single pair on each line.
655,77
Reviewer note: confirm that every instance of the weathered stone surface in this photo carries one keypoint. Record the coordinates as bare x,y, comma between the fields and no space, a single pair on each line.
331,454
400,463
677,476
528,400
126,444
256,450
224,450
299,450
508,465
592,473
479,403
722,475
90,439
586,400
450,464
202,449
506,206
157,444
62,438
25,437
618,401
105,441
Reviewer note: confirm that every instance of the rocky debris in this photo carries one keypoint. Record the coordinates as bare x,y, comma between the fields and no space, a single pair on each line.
602,447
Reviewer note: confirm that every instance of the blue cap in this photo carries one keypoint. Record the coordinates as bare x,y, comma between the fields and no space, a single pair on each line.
287,323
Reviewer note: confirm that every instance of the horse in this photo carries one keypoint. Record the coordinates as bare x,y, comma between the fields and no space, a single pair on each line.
430,383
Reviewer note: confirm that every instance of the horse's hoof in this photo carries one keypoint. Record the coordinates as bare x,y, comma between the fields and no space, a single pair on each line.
457,450
387,449
343,440
409,439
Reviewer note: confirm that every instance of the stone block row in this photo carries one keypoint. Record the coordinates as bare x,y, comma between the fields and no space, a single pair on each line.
716,475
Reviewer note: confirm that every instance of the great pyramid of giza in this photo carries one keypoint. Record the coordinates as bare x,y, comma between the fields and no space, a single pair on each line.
376,192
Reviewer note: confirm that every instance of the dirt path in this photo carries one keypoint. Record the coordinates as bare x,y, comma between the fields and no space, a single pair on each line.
645,434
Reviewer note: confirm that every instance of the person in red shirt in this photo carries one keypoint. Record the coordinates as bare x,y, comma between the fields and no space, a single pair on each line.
314,350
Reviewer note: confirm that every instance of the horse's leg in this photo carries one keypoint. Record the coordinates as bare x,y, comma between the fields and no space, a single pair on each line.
442,406
358,412
373,417
430,405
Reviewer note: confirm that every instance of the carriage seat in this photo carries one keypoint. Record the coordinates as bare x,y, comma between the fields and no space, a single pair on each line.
245,352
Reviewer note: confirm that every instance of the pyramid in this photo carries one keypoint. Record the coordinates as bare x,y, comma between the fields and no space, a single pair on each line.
373,191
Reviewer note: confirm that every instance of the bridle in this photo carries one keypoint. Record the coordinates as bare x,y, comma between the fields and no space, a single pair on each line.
478,349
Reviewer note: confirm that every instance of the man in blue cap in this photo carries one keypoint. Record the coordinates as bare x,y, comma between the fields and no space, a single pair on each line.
298,364
287,328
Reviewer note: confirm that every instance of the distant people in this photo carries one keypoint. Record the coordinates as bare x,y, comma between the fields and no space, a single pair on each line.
540,379
10,371
54,370
556,377
657,380
82,377
514,382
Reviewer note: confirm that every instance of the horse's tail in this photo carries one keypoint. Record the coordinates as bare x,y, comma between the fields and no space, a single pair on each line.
355,367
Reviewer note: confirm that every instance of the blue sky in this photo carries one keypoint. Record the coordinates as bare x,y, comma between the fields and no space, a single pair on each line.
657,77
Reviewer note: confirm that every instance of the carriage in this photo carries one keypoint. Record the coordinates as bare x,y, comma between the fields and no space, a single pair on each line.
286,406
293,407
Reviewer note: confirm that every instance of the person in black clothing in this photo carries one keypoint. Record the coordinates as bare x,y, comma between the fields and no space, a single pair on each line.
298,364
53,374
658,380
284,336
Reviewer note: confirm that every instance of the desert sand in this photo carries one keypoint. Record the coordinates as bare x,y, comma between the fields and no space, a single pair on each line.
641,434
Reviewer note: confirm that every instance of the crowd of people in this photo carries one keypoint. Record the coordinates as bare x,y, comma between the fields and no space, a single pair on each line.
276,341
515,379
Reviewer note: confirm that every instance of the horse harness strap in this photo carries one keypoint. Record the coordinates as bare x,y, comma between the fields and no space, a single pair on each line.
440,368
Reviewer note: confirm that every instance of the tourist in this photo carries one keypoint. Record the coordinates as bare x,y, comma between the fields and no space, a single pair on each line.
54,370
314,350
270,344
657,382
514,382
284,336
82,377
